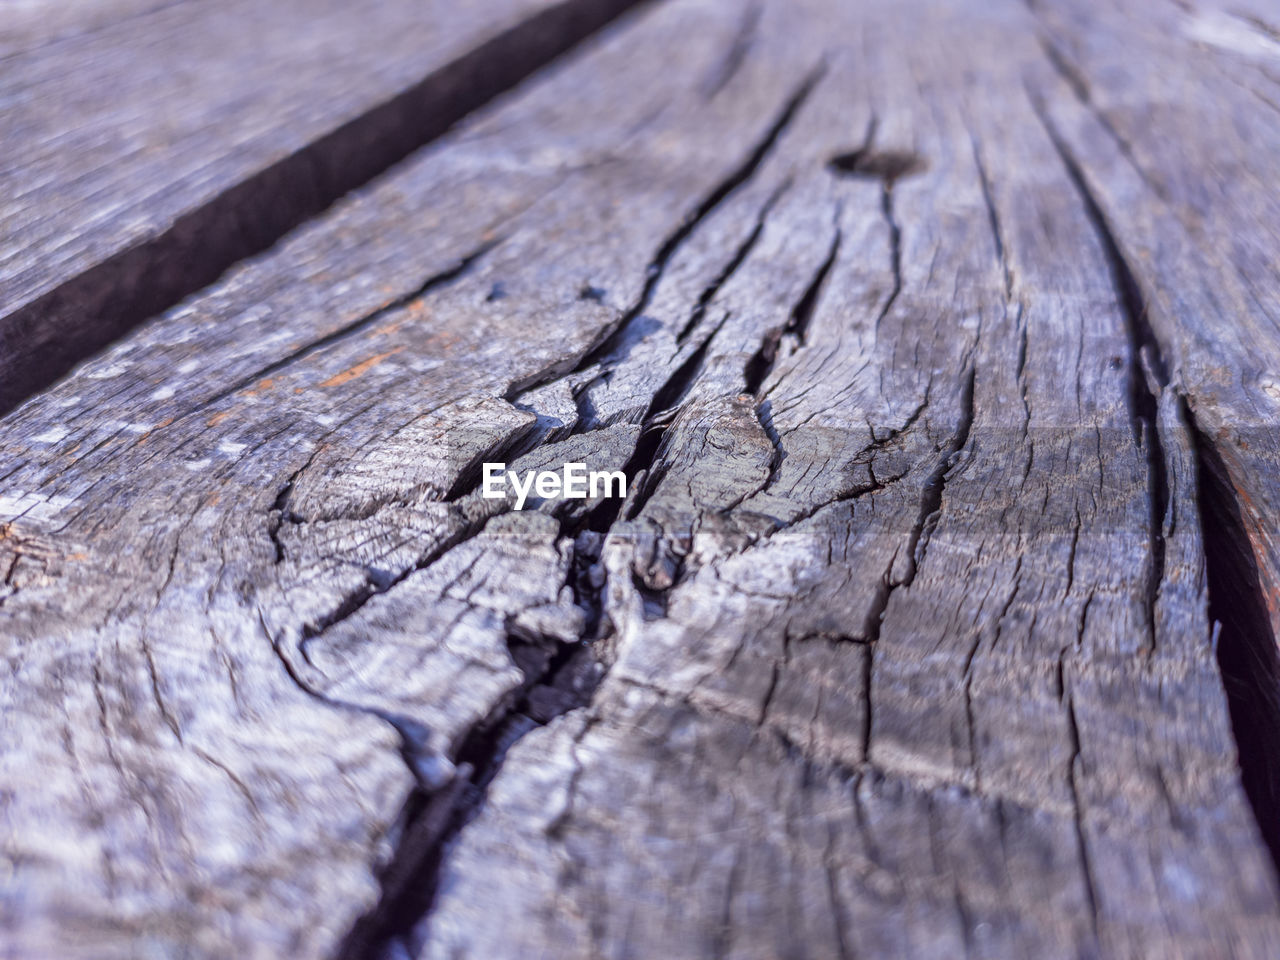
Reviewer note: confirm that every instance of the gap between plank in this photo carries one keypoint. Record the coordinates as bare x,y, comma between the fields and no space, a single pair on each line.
44,339
1243,640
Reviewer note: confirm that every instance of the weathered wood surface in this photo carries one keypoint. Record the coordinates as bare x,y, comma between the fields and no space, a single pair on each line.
31,24
146,154
937,343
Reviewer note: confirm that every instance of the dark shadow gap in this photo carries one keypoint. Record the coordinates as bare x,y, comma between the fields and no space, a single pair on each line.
1246,643
558,677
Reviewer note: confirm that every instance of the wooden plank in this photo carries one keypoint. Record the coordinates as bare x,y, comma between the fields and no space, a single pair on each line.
1041,750
900,646
155,152
278,784
1193,231
31,24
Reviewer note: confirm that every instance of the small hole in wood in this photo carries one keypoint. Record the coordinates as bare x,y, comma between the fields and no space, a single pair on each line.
884,165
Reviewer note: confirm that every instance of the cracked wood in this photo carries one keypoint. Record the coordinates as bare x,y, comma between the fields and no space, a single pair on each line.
939,619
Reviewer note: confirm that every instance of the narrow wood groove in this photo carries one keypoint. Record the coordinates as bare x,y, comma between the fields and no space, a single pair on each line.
935,484
434,282
737,53
763,360
1148,373
743,251
658,418
558,678
1079,85
613,338
1073,775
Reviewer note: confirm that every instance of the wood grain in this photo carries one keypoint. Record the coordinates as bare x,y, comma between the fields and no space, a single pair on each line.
158,150
939,619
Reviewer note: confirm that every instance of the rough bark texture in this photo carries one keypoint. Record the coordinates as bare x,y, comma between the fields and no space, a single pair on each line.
938,343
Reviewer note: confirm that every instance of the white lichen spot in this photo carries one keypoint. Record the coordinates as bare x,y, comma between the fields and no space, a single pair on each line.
52,435
30,506
164,393
106,371
253,315
1229,32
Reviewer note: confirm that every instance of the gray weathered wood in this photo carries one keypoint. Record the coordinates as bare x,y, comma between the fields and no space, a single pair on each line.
147,155
31,24
941,586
